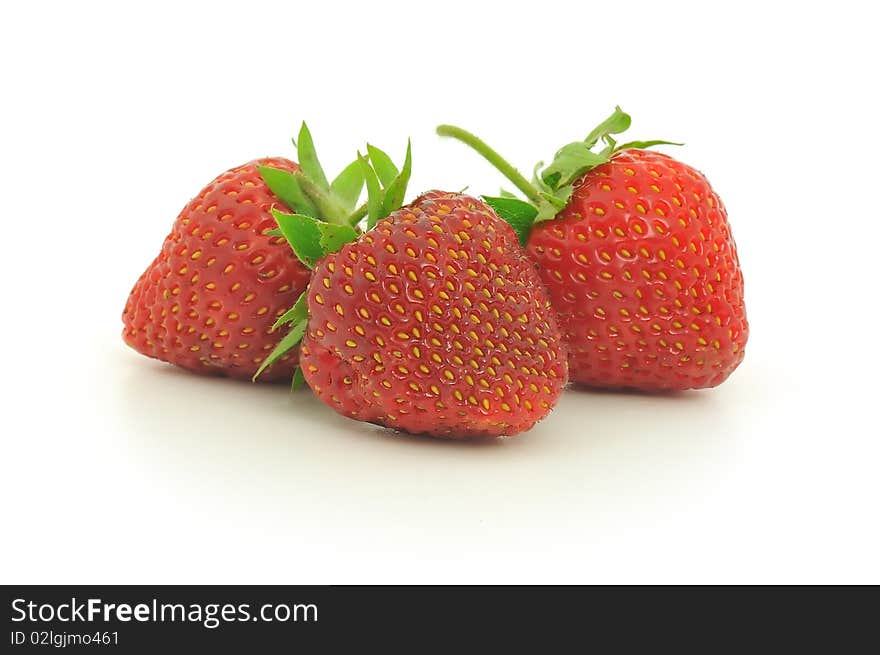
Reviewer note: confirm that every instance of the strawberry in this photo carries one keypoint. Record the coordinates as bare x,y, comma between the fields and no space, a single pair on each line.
638,258
207,303
432,322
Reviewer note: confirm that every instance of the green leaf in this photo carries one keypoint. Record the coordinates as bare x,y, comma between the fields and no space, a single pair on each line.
284,185
610,145
347,186
546,212
382,164
642,145
563,195
273,233
287,343
572,161
298,379
308,158
312,239
618,122
396,191
302,234
333,236
297,313
554,201
519,214
374,193
536,178
504,193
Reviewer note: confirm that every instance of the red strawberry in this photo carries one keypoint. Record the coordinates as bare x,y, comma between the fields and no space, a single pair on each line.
207,303
434,322
639,262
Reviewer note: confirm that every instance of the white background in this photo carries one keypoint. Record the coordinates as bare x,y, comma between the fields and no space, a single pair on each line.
119,469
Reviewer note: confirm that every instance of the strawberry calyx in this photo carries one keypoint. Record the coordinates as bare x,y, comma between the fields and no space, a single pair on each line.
308,192
310,232
551,186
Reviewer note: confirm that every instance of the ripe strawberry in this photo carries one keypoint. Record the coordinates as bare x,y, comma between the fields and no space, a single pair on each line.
207,303
638,259
434,322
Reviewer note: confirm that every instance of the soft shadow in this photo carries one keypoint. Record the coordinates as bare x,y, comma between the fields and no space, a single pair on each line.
175,404
676,396
263,450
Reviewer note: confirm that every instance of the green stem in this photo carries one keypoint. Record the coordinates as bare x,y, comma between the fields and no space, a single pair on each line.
355,217
330,210
493,158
